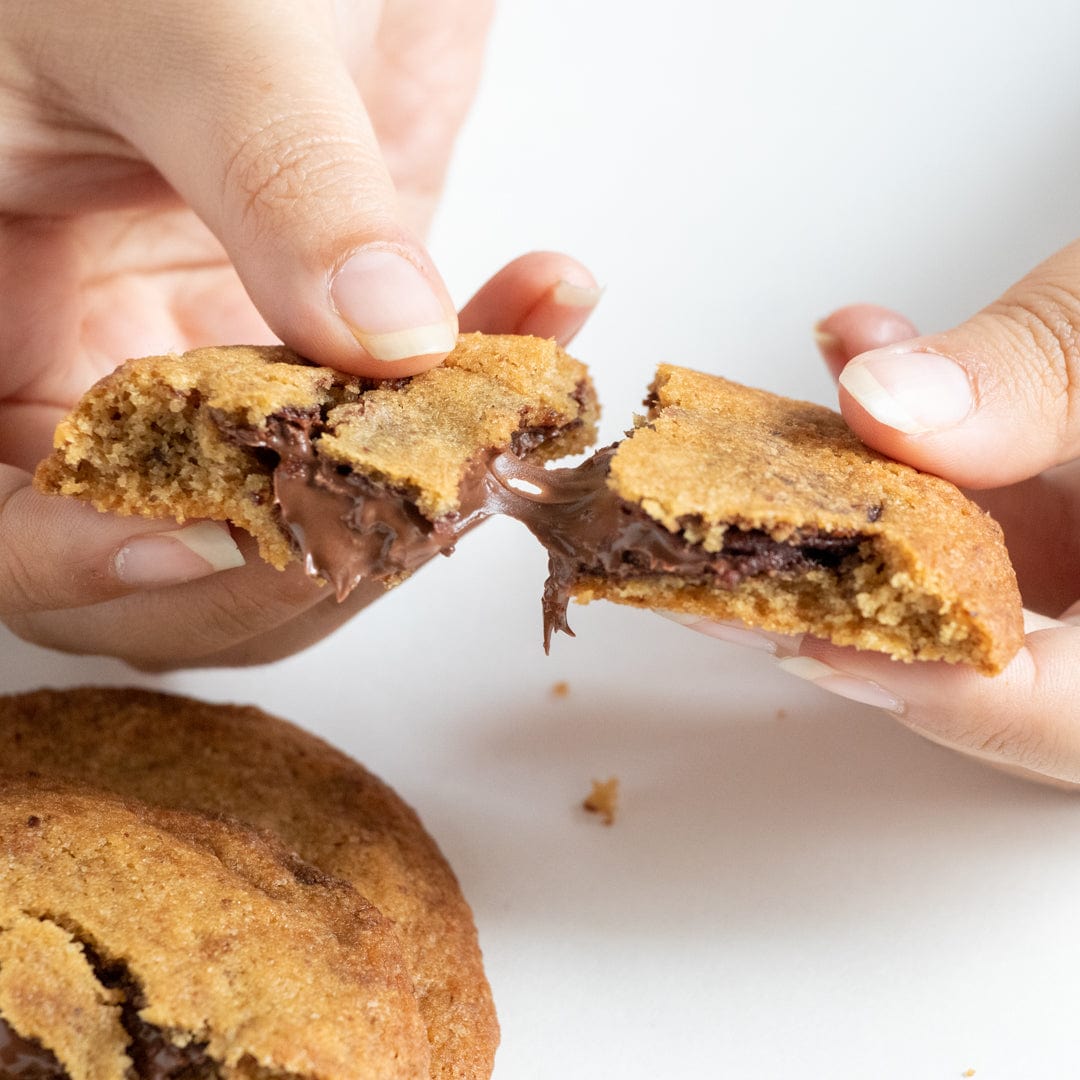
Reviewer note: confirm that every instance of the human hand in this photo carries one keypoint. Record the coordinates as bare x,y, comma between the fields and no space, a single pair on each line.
180,174
175,175
991,405
155,594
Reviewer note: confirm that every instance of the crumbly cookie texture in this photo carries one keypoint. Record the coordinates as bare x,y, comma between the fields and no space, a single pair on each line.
931,579
149,438
345,824
132,936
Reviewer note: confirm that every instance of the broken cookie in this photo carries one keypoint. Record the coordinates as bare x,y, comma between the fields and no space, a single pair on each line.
360,479
724,502
142,942
733,503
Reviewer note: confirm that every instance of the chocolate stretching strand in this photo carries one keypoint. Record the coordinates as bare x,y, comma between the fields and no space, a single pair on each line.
348,528
588,530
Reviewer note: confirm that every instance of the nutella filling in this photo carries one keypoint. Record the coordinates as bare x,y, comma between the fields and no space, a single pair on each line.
25,1059
589,531
347,527
153,1056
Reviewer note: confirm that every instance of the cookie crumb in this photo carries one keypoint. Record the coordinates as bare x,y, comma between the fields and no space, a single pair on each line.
968,1072
603,799
781,714
560,689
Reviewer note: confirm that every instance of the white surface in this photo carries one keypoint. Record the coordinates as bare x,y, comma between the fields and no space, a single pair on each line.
817,895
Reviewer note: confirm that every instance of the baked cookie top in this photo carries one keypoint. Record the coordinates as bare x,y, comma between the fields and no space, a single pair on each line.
727,454
178,753
149,942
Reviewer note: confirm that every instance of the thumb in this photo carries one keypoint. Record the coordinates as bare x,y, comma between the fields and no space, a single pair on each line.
987,404
62,553
248,110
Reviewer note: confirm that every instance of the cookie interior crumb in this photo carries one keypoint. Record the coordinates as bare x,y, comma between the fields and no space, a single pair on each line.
603,799
560,689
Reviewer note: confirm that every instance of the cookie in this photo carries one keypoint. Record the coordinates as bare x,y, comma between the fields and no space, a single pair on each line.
175,753
136,941
725,502
733,503
252,435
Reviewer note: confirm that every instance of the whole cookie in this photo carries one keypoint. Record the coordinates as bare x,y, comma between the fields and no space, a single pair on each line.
178,753
136,941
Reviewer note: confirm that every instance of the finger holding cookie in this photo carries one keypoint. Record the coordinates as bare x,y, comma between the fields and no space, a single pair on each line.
990,405
160,594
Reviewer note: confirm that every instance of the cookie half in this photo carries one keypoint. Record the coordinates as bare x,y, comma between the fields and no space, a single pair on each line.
342,822
733,503
289,451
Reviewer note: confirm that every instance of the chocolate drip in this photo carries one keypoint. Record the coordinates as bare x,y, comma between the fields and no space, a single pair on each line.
25,1059
589,531
347,527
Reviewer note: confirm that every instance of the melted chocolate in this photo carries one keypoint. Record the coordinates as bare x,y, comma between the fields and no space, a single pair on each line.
347,527
153,1056
25,1059
589,531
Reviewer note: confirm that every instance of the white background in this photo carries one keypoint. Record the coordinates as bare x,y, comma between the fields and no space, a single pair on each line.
795,887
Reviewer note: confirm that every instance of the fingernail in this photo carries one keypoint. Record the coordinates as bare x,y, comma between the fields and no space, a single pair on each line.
914,392
826,342
567,294
847,686
737,634
169,558
390,307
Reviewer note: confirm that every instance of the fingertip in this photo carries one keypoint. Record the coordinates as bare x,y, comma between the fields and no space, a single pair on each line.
544,293
396,308
858,328
174,556
561,311
917,405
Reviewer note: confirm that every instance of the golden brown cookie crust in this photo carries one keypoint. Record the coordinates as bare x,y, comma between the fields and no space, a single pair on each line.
224,940
147,439
183,754
933,580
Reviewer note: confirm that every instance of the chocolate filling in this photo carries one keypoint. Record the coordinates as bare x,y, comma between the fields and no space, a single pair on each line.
25,1059
344,525
153,1056
589,531
347,527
